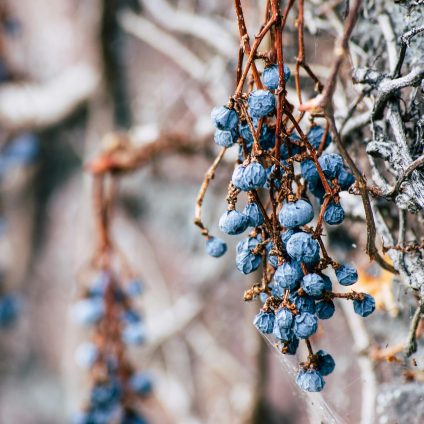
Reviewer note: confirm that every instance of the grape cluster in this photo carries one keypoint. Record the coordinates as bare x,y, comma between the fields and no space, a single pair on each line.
280,184
107,308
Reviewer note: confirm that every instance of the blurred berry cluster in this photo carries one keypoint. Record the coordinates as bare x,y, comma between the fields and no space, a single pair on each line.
282,183
107,306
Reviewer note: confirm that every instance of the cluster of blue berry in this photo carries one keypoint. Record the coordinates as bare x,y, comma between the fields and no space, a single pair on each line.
278,168
108,308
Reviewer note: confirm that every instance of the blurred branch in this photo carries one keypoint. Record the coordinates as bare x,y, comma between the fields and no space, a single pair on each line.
203,28
168,45
120,155
38,105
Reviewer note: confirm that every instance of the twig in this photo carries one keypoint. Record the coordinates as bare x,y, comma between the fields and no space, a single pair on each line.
203,188
411,342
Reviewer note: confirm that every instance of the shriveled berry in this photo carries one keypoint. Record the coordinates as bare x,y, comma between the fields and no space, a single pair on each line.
346,275
246,260
303,248
305,324
313,285
283,324
261,103
285,235
295,214
215,247
233,222
254,175
364,307
304,303
310,380
331,164
224,118
271,77
315,135
288,275
325,309
334,214
225,138
249,177
264,322
254,214
326,363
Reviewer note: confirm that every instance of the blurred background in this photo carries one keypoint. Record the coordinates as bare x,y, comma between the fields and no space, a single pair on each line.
72,71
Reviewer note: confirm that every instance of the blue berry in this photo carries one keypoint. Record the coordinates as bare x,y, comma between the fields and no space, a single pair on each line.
288,275
215,247
254,214
254,175
225,138
86,355
266,138
303,248
277,291
315,135
271,175
272,259
317,189
105,394
246,260
285,236
334,214
271,77
295,214
305,324
294,148
132,417
264,322
9,310
325,309
141,383
131,316
283,324
346,275
263,297
249,177
328,286
310,380
304,303
309,172
233,222
135,288
326,363
88,311
345,179
134,334
313,285
364,307
291,345
331,164
224,118
261,103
